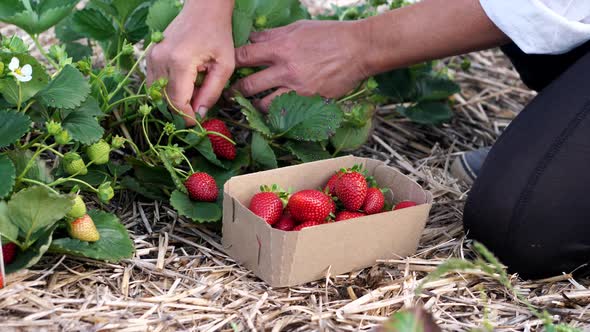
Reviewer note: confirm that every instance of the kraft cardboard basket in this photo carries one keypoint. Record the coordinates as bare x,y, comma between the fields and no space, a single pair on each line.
292,258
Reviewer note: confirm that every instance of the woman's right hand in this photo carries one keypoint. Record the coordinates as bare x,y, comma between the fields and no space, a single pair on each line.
198,40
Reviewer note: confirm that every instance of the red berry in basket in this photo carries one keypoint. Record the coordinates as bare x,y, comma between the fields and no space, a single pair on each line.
351,189
9,252
310,205
374,202
333,209
308,224
268,206
286,223
201,187
330,187
222,148
345,215
403,205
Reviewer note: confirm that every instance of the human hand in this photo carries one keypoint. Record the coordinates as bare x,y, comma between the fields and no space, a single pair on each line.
198,40
310,57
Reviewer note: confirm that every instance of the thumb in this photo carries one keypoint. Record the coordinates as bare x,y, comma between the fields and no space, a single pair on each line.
211,89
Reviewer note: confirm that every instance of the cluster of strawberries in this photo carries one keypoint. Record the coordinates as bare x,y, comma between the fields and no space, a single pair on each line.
348,194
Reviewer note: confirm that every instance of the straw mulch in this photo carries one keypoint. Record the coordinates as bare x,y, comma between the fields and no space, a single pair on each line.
181,279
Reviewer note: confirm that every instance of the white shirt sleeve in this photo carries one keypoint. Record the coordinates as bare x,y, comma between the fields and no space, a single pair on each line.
542,26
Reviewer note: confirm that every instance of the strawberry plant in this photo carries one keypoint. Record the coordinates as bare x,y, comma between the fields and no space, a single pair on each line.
81,127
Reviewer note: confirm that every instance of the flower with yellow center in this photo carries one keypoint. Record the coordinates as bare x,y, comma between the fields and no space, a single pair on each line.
22,74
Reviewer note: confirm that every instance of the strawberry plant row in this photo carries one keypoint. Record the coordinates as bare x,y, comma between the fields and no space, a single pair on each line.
81,127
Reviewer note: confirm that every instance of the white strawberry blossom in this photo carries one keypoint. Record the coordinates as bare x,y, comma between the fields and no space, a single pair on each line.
22,74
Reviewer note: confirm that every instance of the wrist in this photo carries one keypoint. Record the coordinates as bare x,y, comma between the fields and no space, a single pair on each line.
373,50
217,7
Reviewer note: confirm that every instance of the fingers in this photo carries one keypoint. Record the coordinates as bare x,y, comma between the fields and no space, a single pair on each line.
260,81
181,82
271,34
255,55
207,95
264,103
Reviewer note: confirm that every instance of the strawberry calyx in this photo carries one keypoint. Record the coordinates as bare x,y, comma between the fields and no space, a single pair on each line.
283,195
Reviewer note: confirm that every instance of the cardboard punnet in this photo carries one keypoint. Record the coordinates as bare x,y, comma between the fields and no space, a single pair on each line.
292,258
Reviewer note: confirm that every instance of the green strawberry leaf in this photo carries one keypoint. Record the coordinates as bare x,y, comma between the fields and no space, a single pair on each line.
254,117
430,112
125,7
14,44
307,151
35,210
88,107
8,229
303,118
243,21
204,146
161,13
279,12
349,137
93,24
65,32
9,86
38,18
147,191
67,90
433,88
78,51
398,84
262,152
113,246
135,26
13,126
38,171
32,255
8,175
83,127
197,211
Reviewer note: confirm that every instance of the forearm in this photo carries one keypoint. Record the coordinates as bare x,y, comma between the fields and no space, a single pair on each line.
431,29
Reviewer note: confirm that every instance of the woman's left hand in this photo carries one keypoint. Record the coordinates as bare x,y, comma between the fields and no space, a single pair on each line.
310,57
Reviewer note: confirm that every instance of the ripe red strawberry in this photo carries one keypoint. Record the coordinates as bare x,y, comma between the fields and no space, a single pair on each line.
404,204
1,281
285,223
268,206
222,148
9,252
345,215
374,201
308,224
333,210
310,205
330,187
351,189
201,187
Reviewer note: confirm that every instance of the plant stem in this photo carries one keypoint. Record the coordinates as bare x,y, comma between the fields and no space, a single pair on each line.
180,112
33,158
28,106
42,51
120,101
125,119
70,179
20,96
40,184
124,81
50,149
352,96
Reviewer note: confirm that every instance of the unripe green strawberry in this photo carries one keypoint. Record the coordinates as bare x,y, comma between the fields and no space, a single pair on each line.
84,229
53,128
157,36
99,152
145,109
79,208
117,142
62,137
106,192
73,164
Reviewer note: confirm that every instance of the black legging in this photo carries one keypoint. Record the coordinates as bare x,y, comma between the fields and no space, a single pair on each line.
530,205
